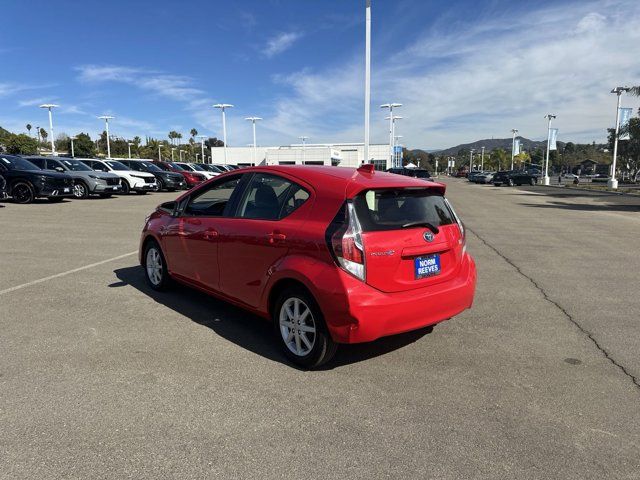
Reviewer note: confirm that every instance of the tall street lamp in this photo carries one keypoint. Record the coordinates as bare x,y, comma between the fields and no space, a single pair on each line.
304,139
223,107
129,148
253,121
367,79
106,119
396,143
202,137
173,149
73,153
471,158
545,180
49,106
159,153
391,106
482,160
393,119
613,183
513,145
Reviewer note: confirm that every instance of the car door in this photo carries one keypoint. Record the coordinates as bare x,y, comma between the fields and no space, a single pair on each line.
190,240
268,216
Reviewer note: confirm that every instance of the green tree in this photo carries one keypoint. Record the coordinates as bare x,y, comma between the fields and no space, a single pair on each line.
21,144
499,158
83,146
43,134
29,127
193,132
628,160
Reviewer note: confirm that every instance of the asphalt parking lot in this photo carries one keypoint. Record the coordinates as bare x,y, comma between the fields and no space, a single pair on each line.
100,377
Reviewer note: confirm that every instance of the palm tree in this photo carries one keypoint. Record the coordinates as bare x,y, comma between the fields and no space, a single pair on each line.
179,137
43,134
635,91
29,128
193,132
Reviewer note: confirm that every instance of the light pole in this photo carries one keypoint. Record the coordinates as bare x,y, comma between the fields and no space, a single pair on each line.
304,139
392,119
129,148
253,121
73,154
545,180
482,160
367,79
202,137
513,145
223,107
49,106
106,119
471,158
180,154
398,158
197,155
173,149
391,106
613,183
159,153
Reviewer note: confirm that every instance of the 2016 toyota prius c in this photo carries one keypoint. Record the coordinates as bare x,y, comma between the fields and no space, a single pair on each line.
331,255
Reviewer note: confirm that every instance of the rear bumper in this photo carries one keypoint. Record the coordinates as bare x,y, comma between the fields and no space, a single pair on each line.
374,314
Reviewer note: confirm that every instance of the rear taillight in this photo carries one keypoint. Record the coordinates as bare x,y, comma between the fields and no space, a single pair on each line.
463,232
345,242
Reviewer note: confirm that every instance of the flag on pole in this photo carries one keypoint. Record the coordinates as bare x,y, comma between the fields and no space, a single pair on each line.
553,135
516,147
625,115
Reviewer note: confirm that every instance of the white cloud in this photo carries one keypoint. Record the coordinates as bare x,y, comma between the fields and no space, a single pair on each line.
467,81
281,42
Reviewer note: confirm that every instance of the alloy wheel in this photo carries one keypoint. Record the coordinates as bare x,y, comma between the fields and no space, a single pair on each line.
22,193
297,326
154,266
79,190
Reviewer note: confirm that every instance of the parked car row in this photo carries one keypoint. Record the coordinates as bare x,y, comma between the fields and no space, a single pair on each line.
25,178
514,177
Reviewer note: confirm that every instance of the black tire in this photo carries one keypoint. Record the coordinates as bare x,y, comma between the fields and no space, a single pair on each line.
80,190
105,195
141,192
163,282
22,192
323,348
161,185
126,188
510,182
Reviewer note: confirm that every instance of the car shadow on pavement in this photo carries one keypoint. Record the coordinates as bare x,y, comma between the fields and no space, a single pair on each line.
246,329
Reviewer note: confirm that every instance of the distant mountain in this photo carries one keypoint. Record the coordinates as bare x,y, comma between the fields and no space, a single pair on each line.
494,143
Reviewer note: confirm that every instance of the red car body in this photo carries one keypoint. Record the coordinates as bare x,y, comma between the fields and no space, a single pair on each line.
191,178
249,261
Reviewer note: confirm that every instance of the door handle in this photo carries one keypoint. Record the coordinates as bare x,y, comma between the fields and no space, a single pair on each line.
275,236
210,235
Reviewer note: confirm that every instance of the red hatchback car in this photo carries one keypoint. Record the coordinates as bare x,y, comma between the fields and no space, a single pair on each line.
332,255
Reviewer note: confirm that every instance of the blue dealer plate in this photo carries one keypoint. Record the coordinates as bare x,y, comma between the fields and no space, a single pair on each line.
427,266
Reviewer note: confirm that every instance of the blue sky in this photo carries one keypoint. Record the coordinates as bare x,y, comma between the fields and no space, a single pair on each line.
464,70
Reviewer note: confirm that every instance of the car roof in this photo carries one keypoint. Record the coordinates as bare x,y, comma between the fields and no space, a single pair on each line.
354,180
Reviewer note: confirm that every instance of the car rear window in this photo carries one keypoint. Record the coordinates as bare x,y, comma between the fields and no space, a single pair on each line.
390,209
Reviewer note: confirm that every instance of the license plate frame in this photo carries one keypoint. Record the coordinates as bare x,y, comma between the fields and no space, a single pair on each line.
427,266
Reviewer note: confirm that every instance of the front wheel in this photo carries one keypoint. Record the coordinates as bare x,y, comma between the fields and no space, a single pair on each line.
301,329
126,188
80,190
160,185
532,181
155,267
22,193
510,182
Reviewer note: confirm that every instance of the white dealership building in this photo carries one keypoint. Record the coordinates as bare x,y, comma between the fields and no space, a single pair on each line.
336,154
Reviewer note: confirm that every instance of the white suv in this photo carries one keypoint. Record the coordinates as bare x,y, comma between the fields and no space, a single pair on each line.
131,180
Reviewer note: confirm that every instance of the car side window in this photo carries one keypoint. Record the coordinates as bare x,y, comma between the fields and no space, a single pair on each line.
271,197
38,162
213,200
52,164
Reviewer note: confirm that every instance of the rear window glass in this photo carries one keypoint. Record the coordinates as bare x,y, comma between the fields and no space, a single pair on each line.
391,209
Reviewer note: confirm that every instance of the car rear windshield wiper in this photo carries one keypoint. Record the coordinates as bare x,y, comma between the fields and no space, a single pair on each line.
420,223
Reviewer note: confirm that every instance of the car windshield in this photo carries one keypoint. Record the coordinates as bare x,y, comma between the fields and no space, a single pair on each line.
391,209
75,166
198,167
16,163
186,167
176,166
150,167
213,168
116,165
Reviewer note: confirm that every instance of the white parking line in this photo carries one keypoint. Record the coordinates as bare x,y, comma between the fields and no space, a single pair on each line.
68,272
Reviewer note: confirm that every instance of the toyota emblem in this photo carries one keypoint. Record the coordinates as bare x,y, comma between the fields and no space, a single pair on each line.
428,236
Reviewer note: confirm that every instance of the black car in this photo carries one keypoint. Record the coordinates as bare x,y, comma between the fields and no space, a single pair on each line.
411,172
26,182
169,181
514,177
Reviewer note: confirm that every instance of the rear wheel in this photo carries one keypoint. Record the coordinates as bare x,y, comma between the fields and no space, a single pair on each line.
126,188
22,193
510,182
155,267
80,190
532,181
160,186
301,330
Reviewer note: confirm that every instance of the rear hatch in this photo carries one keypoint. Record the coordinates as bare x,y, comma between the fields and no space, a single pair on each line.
411,238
